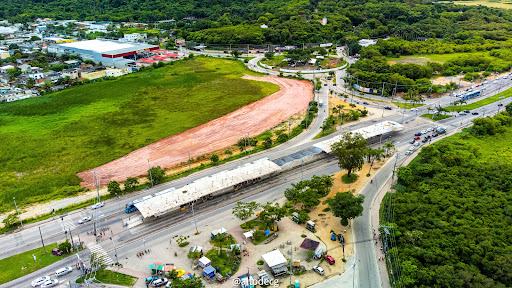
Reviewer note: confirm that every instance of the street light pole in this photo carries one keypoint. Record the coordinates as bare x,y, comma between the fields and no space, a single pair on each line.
194,216
115,249
42,242
13,198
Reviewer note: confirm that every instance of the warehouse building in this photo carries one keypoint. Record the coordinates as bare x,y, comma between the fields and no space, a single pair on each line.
109,52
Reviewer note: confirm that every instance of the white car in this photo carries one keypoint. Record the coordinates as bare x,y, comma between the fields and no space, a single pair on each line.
63,271
430,129
84,220
98,205
50,283
407,152
39,281
414,109
423,131
318,270
417,144
412,148
159,282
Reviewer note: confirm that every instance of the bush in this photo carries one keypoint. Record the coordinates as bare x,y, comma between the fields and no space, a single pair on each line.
183,244
303,235
65,246
157,175
282,138
114,188
347,180
260,262
327,209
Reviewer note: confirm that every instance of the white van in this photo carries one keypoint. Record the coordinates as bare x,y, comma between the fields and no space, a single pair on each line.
63,271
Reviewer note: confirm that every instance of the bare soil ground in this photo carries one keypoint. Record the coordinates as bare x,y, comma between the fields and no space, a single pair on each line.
225,131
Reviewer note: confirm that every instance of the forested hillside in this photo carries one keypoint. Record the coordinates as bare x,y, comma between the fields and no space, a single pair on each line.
289,21
453,210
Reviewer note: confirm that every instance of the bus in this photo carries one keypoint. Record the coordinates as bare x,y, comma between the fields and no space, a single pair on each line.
470,95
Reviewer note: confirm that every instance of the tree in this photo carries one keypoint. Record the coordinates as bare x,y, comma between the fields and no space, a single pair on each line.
508,108
114,188
271,213
130,183
243,210
157,174
30,82
267,143
236,53
215,159
350,151
65,246
269,55
282,138
303,216
34,38
346,206
389,146
187,283
13,46
13,73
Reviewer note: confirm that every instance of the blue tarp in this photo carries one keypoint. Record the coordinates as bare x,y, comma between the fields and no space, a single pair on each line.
209,270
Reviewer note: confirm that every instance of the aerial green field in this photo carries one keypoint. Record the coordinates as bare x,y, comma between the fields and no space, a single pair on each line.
505,4
440,58
47,140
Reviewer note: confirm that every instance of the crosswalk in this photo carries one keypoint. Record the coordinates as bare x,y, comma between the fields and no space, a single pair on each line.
101,253
67,224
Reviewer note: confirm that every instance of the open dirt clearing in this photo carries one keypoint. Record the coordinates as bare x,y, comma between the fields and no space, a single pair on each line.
222,132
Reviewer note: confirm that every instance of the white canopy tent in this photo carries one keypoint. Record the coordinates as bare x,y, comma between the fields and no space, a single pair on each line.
206,186
248,234
204,262
274,258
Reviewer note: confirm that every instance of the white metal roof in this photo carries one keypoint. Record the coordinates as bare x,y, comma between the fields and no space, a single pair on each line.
274,258
367,132
205,186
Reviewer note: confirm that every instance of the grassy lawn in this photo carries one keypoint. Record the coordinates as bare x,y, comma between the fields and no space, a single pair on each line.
23,264
224,261
494,4
495,98
441,58
275,61
407,105
111,277
431,116
47,140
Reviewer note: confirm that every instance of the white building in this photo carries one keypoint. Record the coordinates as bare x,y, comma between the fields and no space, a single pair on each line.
367,42
135,37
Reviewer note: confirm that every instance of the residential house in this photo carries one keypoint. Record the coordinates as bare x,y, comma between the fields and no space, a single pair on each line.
51,76
74,63
135,37
16,94
73,73
25,68
4,68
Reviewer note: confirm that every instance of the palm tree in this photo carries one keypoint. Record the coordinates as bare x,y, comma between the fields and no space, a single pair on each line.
389,146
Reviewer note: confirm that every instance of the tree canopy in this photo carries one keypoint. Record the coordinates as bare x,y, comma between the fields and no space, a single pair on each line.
346,206
350,151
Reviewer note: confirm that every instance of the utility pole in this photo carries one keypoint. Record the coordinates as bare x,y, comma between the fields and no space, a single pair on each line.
42,242
97,185
71,236
382,92
150,176
14,198
115,249
194,216
291,260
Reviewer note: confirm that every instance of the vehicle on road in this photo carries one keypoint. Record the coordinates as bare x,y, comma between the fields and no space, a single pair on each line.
329,259
414,109
416,137
366,103
63,271
499,105
466,111
159,282
408,152
98,205
417,144
318,270
150,279
425,140
417,134
387,108
441,130
412,141
435,134
39,281
474,113
412,148
50,283
84,220
424,132
462,113
430,129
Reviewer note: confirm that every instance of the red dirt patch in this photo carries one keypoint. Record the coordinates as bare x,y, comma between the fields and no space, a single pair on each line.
222,132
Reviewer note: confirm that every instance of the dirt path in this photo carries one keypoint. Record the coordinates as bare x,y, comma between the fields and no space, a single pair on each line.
222,132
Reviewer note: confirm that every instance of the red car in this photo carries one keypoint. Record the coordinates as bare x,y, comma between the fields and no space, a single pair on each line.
417,138
329,259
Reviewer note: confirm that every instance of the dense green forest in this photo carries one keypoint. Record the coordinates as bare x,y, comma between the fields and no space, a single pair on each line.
289,21
453,210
